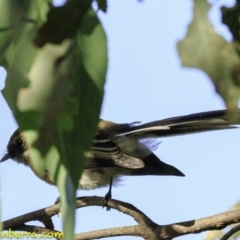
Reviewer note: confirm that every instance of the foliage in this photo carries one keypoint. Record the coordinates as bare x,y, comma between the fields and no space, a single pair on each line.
56,62
212,54
56,68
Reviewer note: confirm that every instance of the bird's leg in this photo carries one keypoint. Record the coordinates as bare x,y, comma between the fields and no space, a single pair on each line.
58,200
108,196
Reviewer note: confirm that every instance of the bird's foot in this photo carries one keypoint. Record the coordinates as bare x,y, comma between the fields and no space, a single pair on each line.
108,196
105,201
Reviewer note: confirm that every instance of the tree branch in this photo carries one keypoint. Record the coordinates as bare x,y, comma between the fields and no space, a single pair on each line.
110,232
43,215
123,207
215,222
146,228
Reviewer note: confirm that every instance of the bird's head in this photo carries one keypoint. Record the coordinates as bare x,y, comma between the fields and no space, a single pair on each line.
17,149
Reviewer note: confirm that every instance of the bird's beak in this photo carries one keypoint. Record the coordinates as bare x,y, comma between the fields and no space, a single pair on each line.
5,157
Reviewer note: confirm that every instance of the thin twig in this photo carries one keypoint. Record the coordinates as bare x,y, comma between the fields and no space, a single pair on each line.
231,232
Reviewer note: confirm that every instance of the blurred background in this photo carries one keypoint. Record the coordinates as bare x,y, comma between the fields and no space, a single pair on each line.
146,82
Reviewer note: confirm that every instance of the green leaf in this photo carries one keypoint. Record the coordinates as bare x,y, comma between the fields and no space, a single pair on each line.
88,78
19,62
36,96
56,91
62,22
202,48
14,16
92,42
18,23
5,42
32,118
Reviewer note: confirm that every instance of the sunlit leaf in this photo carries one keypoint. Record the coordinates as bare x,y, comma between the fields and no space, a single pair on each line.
42,79
214,235
204,49
19,62
18,25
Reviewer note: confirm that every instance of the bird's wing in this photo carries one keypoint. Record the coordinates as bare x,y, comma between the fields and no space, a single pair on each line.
193,123
105,153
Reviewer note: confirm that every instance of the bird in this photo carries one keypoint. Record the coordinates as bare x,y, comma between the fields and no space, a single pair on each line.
126,149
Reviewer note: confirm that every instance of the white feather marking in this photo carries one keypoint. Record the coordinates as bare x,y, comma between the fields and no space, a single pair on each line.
148,129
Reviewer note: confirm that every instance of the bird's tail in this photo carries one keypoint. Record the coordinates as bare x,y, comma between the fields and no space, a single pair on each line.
188,124
154,166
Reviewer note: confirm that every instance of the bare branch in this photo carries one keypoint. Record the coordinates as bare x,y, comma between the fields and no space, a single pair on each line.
123,207
111,232
146,228
43,215
215,222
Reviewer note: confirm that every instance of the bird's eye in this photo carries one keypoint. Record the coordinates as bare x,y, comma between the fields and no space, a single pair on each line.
19,142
